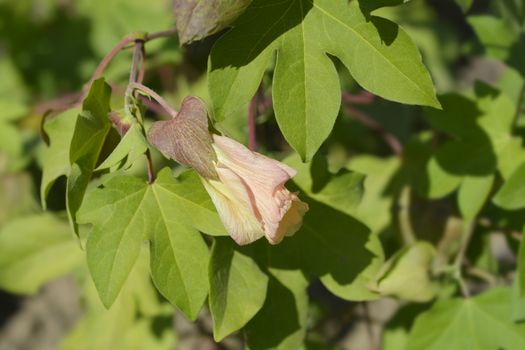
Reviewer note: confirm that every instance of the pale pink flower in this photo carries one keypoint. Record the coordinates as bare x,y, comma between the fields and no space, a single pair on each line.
250,196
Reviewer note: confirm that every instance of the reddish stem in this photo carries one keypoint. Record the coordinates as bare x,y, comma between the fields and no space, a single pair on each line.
107,59
362,98
367,121
162,102
142,69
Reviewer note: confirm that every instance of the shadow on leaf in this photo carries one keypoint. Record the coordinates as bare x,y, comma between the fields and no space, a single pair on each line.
266,331
329,243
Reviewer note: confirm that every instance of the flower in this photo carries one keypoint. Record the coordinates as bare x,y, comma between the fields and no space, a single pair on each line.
250,196
246,187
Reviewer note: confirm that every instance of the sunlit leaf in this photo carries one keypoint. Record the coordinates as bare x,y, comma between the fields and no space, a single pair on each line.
460,324
127,211
306,92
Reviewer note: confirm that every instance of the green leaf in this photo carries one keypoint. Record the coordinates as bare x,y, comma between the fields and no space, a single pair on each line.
512,155
511,195
306,92
132,145
495,34
332,244
198,19
179,255
91,129
518,297
480,130
287,298
472,194
237,288
55,158
500,38
335,247
127,211
374,209
34,250
120,213
482,322
407,274
342,191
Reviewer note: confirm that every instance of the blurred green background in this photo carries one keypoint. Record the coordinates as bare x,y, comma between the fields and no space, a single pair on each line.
50,48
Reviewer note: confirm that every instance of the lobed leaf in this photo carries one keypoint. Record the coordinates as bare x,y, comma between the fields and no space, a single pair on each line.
127,211
460,324
306,92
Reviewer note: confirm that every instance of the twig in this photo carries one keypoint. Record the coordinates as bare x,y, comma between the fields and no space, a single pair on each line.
58,104
127,40
107,59
151,172
392,141
161,34
138,55
458,262
362,98
162,102
252,115
142,69
137,59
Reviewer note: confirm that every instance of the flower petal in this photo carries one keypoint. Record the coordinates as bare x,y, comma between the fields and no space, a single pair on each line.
233,203
263,176
291,221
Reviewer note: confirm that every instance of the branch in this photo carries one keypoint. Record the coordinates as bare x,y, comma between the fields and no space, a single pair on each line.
162,102
392,141
458,262
127,40
138,55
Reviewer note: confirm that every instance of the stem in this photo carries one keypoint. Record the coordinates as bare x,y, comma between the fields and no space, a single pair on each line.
151,172
138,55
458,262
391,140
362,98
107,59
161,34
128,39
142,69
136,86
137,52
252,115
